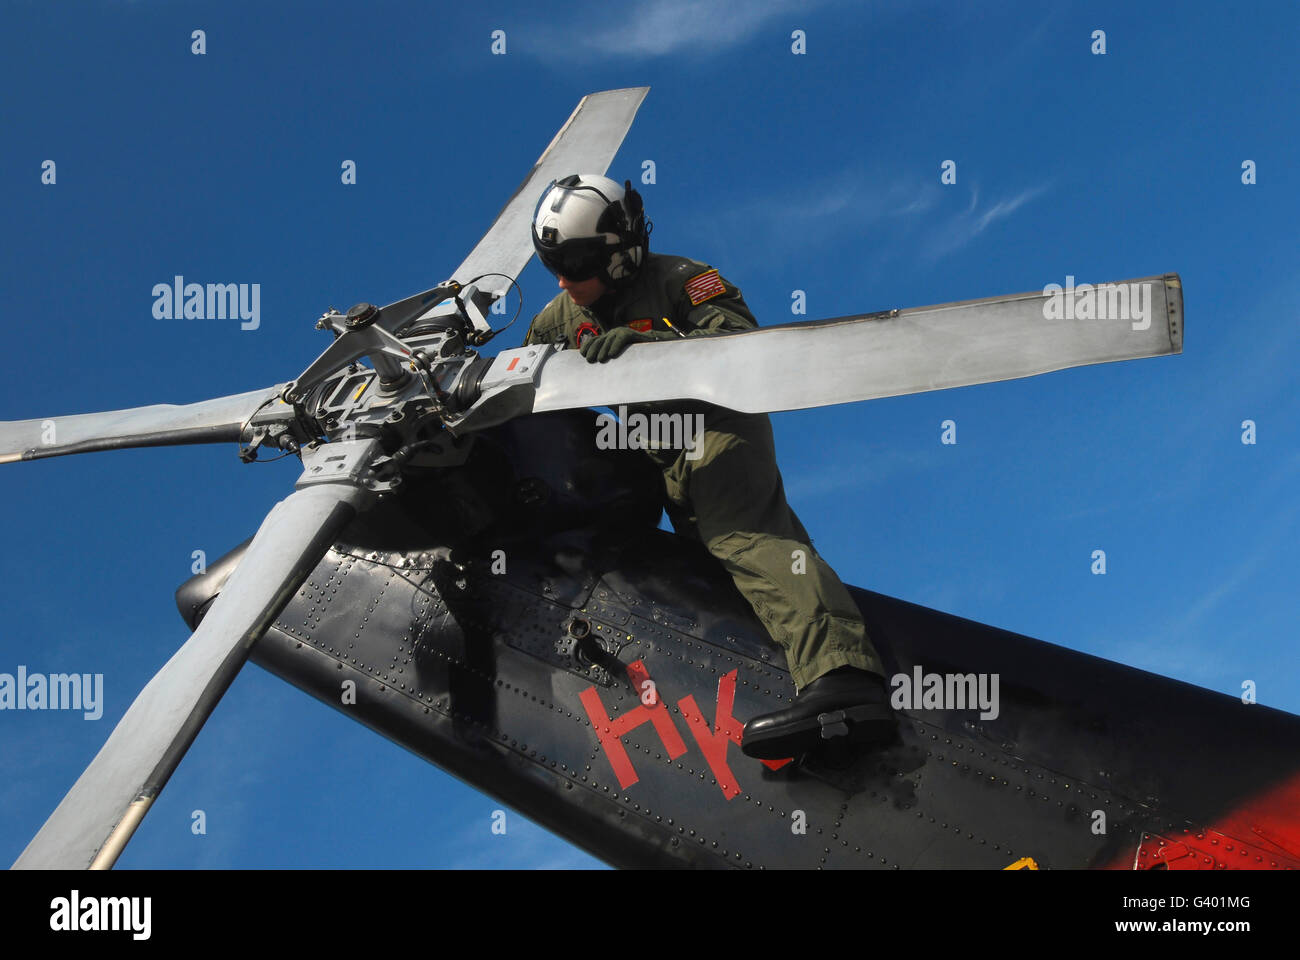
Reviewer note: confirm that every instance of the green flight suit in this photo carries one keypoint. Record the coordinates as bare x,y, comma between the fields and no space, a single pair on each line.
731,497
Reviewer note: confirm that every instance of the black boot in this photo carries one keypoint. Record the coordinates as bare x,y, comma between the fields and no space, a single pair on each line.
846,702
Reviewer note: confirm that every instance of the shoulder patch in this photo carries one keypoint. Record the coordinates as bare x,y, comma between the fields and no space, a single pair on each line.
704,286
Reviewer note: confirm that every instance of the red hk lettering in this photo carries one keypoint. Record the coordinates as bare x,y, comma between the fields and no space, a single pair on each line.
610,732
726,729
712,745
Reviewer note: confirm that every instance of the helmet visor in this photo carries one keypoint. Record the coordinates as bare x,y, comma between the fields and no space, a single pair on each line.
577,260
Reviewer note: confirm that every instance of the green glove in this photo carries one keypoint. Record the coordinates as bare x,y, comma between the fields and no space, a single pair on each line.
609,345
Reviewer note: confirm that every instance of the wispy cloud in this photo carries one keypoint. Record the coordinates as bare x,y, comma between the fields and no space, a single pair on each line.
846,472
923,221
1187,643
1276,533
962,228
849,205
525,845
855,198
662,27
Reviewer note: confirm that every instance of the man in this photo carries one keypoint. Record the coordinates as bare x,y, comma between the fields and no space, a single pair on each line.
592,234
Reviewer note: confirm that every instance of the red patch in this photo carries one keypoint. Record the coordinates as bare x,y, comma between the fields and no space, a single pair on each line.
585,329
642,326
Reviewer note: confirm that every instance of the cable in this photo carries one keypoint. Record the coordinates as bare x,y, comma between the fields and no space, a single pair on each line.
518,290
287,453
239,448
243,426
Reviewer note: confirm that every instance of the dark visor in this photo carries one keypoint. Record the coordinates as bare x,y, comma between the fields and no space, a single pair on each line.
577,260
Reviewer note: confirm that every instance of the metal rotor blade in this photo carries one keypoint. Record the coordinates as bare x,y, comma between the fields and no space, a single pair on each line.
159,425
96,818
863,358
585,144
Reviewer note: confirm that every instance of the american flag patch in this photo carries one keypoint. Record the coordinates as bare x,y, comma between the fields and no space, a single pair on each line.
707,285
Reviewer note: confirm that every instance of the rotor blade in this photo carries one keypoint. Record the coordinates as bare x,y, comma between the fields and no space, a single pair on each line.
159,425
585,144
881,355
98,815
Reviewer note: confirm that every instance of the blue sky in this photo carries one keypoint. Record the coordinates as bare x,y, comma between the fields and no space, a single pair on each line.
818,172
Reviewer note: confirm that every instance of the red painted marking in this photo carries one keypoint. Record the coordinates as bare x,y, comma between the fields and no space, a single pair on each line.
513,361
730,725
726,729
610,731
713,744
1262,833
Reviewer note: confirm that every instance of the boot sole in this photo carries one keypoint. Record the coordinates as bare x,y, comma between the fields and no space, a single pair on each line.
864,724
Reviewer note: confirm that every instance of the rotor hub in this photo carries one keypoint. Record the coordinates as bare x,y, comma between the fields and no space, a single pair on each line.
361,315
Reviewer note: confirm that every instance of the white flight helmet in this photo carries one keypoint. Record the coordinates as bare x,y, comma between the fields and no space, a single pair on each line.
588,226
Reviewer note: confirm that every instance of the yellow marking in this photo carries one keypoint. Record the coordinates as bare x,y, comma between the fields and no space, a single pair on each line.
1024,863
361,391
